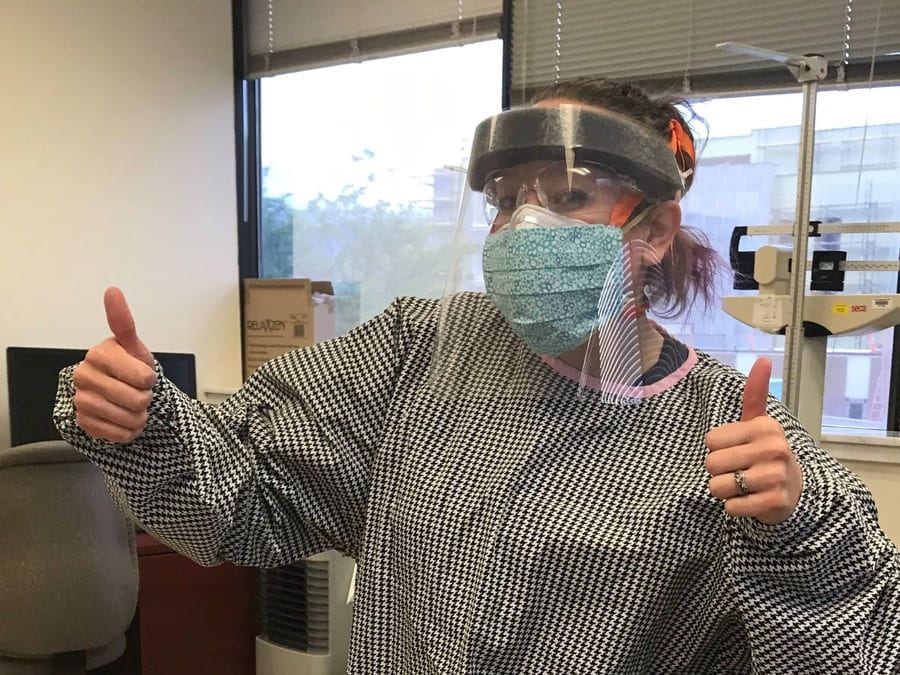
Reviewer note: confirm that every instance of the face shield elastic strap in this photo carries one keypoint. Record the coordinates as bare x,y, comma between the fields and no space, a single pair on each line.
683,149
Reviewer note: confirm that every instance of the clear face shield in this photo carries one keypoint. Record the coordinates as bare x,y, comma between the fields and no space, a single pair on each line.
557,220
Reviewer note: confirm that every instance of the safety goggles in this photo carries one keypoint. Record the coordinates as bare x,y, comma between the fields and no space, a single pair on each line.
582,191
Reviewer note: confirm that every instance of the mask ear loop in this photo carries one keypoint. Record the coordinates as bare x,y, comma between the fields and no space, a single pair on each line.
640,306
636,220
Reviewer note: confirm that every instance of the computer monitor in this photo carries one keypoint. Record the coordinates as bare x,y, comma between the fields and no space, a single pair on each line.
33,377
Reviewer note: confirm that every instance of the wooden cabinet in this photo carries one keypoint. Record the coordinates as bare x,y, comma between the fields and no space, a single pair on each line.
194,620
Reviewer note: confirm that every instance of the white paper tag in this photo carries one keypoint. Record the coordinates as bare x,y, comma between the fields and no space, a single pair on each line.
768,313
882,303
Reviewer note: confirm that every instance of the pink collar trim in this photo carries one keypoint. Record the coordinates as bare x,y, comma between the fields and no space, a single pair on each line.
642,392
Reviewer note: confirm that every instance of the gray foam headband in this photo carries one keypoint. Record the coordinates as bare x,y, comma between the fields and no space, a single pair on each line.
528,134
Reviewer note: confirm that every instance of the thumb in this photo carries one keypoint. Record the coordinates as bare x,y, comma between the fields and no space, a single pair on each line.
756,391
121,323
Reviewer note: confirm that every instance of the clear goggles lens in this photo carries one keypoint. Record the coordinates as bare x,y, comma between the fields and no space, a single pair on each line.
583,191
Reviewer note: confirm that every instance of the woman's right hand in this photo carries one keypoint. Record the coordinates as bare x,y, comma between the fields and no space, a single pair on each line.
113,385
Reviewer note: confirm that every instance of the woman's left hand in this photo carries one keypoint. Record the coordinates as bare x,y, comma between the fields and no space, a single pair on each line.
754,453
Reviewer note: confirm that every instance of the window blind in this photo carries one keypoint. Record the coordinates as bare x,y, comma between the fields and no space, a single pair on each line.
290,35
671,43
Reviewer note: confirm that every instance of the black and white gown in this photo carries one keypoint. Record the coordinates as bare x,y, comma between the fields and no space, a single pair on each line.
516,534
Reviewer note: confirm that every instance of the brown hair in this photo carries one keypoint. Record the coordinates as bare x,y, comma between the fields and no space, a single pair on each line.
689,271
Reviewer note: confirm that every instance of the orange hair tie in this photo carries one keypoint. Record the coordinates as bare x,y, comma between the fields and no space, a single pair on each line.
681,144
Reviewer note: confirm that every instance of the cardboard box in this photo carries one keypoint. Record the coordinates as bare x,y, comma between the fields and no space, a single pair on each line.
281,315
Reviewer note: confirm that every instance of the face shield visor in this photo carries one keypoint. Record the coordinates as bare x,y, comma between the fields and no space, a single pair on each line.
557,257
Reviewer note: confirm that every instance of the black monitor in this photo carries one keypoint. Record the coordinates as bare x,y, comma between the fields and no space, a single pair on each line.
33,377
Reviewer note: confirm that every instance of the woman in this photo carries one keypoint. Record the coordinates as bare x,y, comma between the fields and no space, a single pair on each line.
530,479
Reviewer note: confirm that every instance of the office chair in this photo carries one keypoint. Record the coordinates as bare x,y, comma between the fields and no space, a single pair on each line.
68,566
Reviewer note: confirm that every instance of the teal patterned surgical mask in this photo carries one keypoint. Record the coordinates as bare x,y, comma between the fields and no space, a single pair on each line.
554,279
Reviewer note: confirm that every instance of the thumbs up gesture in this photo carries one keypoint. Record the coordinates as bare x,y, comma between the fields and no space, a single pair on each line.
751,463
113,384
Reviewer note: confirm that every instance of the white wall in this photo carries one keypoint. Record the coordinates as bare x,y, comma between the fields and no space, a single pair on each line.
117,168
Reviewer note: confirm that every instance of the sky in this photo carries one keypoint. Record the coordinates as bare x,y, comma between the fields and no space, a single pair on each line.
834,110
416,112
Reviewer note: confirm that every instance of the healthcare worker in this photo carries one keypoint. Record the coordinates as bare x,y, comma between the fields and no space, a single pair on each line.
536,478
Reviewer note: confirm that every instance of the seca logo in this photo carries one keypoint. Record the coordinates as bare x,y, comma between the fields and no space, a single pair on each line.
857,308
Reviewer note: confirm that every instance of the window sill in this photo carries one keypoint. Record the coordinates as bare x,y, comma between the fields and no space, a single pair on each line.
215,395
860,445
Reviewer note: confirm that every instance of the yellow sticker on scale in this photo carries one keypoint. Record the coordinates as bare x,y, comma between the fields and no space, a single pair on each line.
840,309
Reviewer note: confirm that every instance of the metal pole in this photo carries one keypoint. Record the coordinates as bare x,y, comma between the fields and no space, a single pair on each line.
795,333
809,407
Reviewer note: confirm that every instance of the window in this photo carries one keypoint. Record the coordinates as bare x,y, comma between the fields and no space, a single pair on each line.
362,171
361,186
856,174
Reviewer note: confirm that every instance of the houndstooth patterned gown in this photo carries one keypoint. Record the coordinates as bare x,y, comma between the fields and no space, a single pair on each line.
543,534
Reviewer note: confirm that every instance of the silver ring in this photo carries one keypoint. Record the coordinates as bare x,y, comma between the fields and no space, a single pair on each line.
741,481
